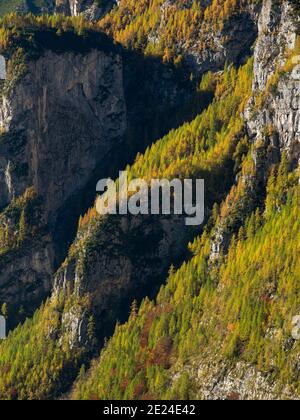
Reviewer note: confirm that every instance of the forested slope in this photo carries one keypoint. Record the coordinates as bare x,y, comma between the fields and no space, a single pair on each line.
211,316
30,374
202,34
219,326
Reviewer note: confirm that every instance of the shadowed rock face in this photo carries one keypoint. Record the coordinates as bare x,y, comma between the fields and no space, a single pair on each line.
72,118
66,115
232,44
59,124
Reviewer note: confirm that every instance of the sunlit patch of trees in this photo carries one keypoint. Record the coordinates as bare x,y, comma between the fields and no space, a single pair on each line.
33,348
202,144
19,221
17,30
165,28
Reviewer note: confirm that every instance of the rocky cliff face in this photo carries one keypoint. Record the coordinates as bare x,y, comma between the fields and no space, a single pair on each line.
232,43
48,112
272,116
59,124
242,382
91,9
278,26
26,275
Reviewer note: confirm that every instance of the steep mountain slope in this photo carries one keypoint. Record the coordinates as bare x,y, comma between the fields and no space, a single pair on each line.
45,107
203,34
215,331
68,116
114,260
221,326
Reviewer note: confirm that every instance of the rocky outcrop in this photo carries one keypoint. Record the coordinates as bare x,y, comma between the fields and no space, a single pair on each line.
91,9
119,259
240,382
214,45
26,275
278,118
273,114
59,124
231,44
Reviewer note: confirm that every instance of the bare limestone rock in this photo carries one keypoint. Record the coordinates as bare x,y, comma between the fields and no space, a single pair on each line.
59,124
281,111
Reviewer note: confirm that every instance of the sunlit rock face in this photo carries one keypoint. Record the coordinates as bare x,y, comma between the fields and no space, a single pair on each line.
274,124
91,9
277,35
2,328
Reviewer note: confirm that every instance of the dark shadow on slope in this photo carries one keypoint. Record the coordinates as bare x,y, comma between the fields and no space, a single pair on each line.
158,98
